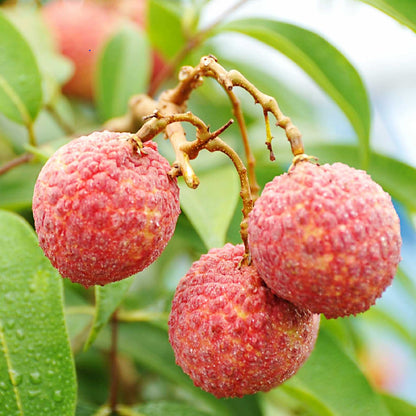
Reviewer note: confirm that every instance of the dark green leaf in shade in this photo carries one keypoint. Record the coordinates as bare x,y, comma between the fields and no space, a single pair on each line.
396,177
333,381
164,27
404,11
20,79
211,206
123,70
327,66
107,300
36,367
149,346
398,407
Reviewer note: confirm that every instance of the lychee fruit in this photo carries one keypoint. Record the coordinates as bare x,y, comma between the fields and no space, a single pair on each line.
104,210
80,30
230,333
326,238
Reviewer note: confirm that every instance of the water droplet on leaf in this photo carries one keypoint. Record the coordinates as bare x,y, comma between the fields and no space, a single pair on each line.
57,396
15,377
35,377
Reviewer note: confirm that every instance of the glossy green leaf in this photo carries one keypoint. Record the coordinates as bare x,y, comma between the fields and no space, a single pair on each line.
54,67
164,27
20,79
148,345
169,408
399,407
36,367
396,177
210,207
331,379
404,11
323,62
107,300
123,70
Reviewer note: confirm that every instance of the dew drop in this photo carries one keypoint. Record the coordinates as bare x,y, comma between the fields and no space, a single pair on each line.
3,385
10,323
33,393
20,334
15,377
32,287
35,377
57,396
8,297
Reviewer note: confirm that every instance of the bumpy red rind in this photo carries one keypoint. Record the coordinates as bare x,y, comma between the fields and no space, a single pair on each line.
230,334
103,211
326,238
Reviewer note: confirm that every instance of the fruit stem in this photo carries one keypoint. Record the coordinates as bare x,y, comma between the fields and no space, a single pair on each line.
269,104
217,144
185,151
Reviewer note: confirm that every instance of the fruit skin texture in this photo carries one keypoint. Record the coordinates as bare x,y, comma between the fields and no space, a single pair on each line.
326,238
102,211
230,334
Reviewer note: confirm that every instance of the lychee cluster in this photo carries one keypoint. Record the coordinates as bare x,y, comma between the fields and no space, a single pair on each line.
326,238
230,333
103,208
323,239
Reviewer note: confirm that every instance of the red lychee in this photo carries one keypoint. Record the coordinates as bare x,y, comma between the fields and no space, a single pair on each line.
102,210
81,29
230,333
326,238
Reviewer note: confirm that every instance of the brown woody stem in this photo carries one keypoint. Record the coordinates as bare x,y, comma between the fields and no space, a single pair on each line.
152,117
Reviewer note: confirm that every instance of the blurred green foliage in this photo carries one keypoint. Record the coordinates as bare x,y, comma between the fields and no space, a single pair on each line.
36,118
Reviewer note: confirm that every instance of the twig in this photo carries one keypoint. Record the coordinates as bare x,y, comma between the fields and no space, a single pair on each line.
25,158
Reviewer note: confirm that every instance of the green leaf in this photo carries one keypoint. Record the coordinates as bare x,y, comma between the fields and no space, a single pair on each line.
397,178
169,408
331,378
16,186
148,345
123,70
107,300
398,407
210,207
323,62
164,27
36,367
20,79
404,11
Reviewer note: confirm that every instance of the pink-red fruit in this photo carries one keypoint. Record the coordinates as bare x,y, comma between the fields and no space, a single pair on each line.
103,211
326,238
81,28
230,333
